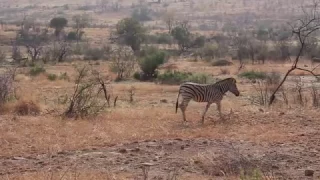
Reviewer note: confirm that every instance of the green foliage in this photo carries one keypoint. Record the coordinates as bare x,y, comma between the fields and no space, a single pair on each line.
94,54
165,38
180,77
72,36
52,77
136,76
182,36
58,23
161,38
34,71
221,62
199,42
150,61
253,75
209,51
130,32
64,76
256,174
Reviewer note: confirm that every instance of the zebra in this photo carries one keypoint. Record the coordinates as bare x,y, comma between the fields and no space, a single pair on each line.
210,93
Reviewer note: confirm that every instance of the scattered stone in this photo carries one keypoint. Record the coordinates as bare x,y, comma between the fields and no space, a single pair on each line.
281,114
308,172
123,151
196,161
164,101
18,158
178,139
182,147
205,142
62,152
135,149
261,110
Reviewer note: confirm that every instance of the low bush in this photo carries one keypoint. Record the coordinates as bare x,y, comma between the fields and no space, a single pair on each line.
180,77
94,54
253,75
35,71
52,77
64,76
151,59
24,108
221,62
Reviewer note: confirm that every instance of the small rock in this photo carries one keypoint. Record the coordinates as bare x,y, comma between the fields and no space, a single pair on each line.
282,113
178,139
205,142
261,110
182,147
135,149
18,158
197,162
302,134
123,151
164,101
308,172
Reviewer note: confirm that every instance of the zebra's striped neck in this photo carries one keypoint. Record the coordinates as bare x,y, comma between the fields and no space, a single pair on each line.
223,86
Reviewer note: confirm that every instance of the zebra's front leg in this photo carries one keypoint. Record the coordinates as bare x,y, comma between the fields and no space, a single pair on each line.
205,111
219,110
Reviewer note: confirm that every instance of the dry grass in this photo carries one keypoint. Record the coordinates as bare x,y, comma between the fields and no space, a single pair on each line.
151,119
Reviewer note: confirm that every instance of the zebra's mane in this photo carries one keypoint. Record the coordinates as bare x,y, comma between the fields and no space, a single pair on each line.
225,80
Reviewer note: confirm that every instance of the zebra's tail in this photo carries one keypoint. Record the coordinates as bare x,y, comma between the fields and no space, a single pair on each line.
177,103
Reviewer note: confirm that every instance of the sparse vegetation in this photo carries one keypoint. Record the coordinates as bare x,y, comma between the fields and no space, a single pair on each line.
36,70
253,75
52,77
170,42
221,62
84,101
177,77
150,60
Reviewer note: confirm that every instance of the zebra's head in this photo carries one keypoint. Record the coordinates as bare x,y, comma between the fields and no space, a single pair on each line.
233,87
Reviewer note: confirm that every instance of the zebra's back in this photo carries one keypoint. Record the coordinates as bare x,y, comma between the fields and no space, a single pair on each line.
199,92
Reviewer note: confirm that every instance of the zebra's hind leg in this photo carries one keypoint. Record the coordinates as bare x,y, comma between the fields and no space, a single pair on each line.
205,111
219,110
183,106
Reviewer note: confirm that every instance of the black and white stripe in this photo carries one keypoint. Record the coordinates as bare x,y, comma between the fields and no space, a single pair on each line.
210,93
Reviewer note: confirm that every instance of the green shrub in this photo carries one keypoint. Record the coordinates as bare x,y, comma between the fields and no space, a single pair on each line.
72,36
136,75
150,60
221,62
252,75
180,77
165,38
94,54
64,76
52,77
34,71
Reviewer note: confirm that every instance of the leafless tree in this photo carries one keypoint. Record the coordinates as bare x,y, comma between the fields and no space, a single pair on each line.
80,22
34,50
123,62
61,51
85,98
169,19
303,29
